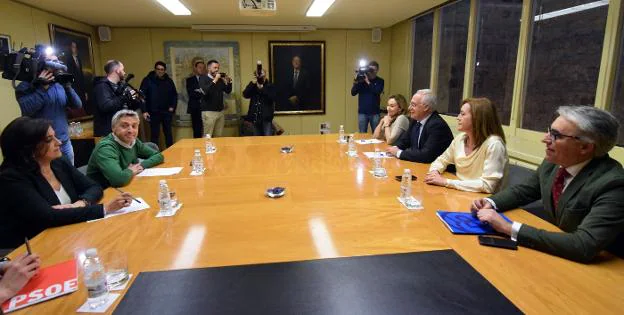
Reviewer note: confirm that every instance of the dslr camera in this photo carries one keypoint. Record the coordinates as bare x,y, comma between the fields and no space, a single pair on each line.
26,64
260,77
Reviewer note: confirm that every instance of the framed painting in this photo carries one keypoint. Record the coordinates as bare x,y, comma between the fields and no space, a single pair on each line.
5,47
298,71
180,55
75,50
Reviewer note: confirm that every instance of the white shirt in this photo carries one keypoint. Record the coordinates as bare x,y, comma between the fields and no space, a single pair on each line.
422,125
62,196
572,170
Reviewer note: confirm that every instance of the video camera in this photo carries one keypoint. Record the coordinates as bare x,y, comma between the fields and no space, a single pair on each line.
362,71
124,89
26,64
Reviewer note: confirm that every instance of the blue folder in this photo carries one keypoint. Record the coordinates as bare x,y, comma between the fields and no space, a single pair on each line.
465,223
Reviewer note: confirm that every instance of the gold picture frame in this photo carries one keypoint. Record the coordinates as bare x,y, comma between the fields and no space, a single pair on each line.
82,66
300,84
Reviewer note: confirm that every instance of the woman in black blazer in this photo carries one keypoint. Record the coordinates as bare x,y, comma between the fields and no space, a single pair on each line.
39,189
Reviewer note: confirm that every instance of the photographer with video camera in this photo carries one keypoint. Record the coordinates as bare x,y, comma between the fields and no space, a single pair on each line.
368,86
49,95
111,94
262,95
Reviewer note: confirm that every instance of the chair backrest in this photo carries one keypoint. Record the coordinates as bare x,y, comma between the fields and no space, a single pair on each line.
152,145
518,175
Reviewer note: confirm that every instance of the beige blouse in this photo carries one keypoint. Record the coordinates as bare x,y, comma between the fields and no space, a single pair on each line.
482,170
399,126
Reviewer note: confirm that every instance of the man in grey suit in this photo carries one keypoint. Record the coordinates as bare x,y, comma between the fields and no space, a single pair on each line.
581,187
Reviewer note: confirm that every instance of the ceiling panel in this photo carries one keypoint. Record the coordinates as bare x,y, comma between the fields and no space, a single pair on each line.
141,13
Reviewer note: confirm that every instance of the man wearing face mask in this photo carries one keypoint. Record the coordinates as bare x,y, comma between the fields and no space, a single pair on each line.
109,97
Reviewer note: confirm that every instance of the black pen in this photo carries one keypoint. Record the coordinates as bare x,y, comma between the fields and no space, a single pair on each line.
121,191
28,246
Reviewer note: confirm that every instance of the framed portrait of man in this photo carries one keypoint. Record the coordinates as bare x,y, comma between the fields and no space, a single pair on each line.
298,71
5,46
75,50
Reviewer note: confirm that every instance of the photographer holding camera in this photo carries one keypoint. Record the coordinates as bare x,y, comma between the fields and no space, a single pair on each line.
213,86
111,94
369,87
48,97
262,95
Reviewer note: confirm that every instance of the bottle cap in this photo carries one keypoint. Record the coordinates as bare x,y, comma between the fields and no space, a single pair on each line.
163,181
91,252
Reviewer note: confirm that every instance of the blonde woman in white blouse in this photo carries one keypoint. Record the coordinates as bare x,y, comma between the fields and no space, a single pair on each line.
393,125
478,151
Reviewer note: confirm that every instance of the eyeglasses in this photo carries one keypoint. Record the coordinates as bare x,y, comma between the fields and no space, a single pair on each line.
555,135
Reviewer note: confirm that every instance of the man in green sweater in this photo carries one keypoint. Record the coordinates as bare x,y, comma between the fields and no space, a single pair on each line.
114,161
581,188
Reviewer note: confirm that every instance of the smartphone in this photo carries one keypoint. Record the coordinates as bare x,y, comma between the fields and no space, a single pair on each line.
400,177
497,242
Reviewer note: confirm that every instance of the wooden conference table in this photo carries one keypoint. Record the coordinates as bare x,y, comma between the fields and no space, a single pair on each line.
333,207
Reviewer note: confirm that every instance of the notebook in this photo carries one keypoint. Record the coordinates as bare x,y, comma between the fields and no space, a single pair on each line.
465,223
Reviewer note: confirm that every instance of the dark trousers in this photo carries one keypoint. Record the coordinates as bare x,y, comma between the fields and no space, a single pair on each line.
156,119
196,123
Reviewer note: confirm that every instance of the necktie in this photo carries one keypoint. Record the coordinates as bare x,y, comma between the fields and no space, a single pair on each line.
416,134
558,183
295,78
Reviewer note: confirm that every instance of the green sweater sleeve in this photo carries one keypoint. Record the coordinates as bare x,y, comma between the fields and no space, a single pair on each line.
110,166
150,156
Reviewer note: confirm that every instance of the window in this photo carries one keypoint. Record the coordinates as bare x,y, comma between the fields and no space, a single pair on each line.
564,62
423,36
453,41
497,49
617,107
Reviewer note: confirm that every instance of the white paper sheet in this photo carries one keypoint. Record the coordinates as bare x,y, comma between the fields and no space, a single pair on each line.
382,154
133,207
173,212
122,286
160,171
368,141
102,308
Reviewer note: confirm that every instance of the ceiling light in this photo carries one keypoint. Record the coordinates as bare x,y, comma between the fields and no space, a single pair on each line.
575,9
251,28
174,6
319,7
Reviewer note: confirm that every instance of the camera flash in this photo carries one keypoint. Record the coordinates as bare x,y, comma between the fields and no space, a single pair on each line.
49,51
362,62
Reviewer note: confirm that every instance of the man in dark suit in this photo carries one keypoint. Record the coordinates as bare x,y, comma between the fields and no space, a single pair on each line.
195,95
296,88
74,66
581,187
428,135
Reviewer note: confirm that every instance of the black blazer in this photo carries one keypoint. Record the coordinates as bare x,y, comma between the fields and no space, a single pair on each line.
436,136
263,98
194,102
28,200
